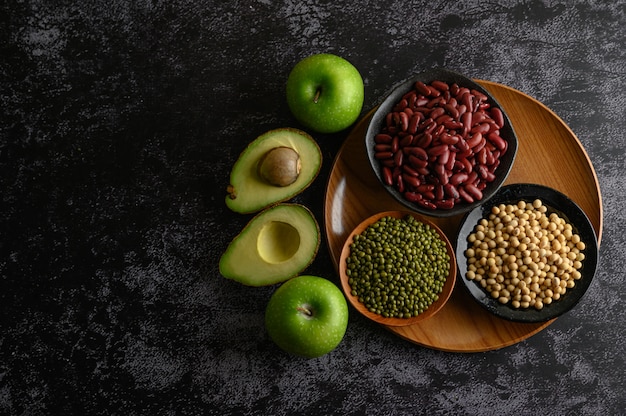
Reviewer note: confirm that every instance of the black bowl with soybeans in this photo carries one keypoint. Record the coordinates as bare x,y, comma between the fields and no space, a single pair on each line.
441,144
528,255
397,268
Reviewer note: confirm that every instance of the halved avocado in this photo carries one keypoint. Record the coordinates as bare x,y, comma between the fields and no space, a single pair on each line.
275,167
274,246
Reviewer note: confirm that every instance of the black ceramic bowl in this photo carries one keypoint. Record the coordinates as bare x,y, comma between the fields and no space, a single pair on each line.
377,123
555,202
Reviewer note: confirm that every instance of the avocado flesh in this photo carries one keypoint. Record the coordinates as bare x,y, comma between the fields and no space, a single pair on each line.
274,246
249,193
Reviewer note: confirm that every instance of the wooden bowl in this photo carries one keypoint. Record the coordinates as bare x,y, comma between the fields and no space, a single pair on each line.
432,309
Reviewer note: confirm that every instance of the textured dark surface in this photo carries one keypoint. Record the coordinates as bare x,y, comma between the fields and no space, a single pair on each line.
119,122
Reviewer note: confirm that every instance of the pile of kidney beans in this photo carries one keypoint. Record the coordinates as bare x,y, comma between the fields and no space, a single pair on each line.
440,145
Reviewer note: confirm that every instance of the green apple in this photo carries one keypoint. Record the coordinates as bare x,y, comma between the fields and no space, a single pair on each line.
325,93
307,316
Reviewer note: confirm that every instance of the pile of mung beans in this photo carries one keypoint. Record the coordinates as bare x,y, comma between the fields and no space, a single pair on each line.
524,256
397,267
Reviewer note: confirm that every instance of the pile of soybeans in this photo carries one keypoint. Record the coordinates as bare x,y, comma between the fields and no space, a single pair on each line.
524,256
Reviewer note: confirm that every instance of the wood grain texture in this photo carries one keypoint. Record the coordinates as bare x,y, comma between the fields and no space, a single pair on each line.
549,154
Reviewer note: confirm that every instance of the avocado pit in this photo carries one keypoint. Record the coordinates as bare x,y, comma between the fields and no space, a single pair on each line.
280,166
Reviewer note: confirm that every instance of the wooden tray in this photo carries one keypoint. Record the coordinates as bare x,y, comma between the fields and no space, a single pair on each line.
549,154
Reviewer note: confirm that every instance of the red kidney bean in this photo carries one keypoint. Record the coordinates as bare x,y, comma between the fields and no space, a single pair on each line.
430,195
406,141
400,183
412,196
439,192
439,130
423,171
404,121
417,163
395,144
434,92
437,150
453,125
418,152
414,122
467,164
466,100
444,157
427,204
497,141
403,103
471,189
383,155
474,140
430,127
485,175
449,139
406,168
440,85
480,145
422,88
436,112
491,158
442,175
452,109
466,119
445,204
383,138
451,161
387,176
410,180
443,119
458,178
478,118
497,116
482,97
424,141
482,128
465,196
421,101
398,158
481,156
427,187
451,191
461,92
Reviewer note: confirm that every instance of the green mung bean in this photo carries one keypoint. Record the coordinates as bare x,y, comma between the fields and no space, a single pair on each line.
397,267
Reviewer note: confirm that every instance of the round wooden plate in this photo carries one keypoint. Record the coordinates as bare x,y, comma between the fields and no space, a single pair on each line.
549,154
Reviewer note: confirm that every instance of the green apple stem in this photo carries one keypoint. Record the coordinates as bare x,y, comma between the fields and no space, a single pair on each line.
305,310
317,95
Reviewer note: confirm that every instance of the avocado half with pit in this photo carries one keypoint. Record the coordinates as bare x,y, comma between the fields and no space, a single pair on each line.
273,168
276,245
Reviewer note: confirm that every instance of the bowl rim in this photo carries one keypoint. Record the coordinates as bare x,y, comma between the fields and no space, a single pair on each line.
565,207
433,308
394,95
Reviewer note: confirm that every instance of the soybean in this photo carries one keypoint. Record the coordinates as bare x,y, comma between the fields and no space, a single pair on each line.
397,267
